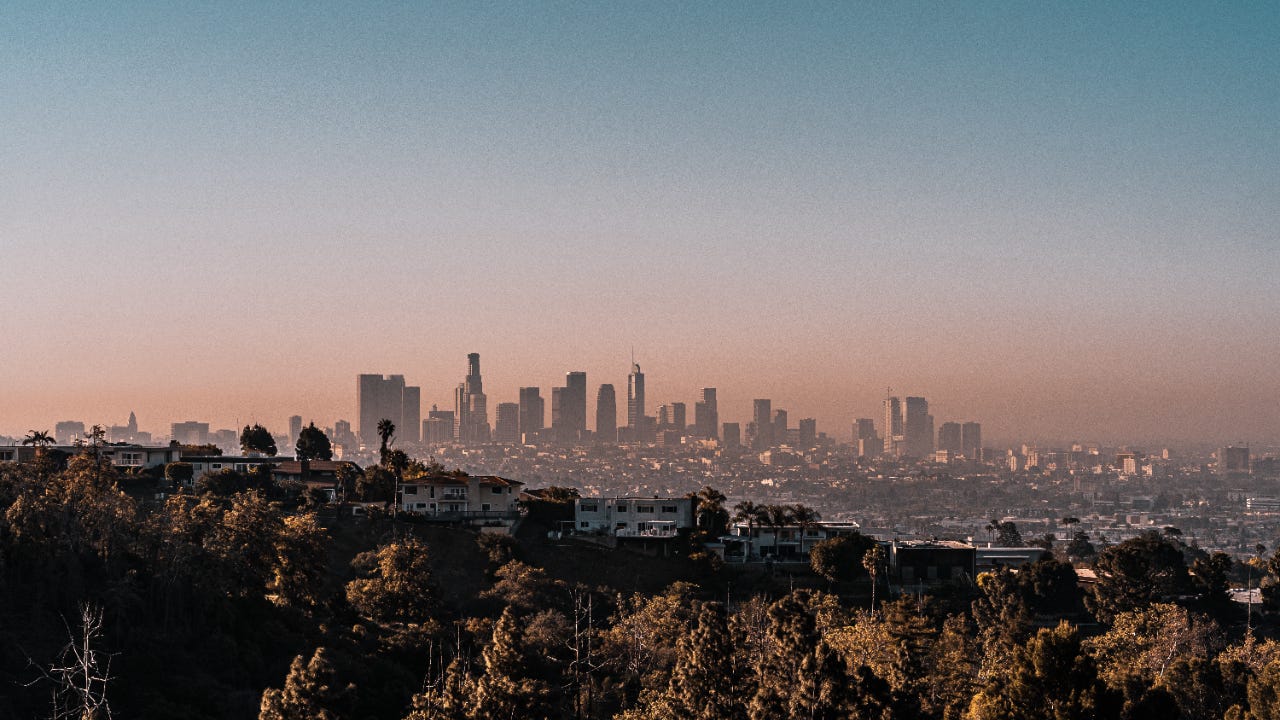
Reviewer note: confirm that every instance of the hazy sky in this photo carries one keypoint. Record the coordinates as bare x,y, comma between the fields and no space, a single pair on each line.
1061,220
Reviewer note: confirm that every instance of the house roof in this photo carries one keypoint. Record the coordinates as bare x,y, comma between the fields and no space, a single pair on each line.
491,480
294,467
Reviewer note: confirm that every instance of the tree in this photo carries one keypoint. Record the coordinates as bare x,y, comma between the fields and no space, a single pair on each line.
872,560
1000,613
1144,643
792,634
1080,548
840,558
82,672
704,684
257,439
386,430
300,567
711,516
1050,678
1210,578
179,473
1050,586
750,513
376,483
313,444
395,583
1137,572
38,439
504,691
1007,535
310,692
776,517
806,517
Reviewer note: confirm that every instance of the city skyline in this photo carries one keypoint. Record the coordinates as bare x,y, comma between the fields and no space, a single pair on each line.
1058,219
392,390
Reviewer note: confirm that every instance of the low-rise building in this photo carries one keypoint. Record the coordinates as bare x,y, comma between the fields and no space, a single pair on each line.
914,562
121,456
634,516
461,497
745,542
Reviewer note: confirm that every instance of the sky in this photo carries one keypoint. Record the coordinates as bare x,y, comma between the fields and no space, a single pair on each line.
1061,220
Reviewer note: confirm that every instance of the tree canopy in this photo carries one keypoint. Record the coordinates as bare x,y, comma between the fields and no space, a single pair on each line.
257,439
313,444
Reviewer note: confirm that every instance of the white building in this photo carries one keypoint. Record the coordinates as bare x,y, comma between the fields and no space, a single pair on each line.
633,516
124,456
760,540
475,497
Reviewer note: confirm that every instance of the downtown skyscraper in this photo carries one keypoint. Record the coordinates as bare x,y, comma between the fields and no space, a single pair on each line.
471,411
706,415
387,398
569,408
635,401
532,412
606,414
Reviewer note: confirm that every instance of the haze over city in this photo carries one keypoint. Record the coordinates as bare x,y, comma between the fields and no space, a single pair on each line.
1058,221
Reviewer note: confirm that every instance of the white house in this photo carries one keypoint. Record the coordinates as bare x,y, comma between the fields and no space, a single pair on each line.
633,516
787,541
475,497
124,456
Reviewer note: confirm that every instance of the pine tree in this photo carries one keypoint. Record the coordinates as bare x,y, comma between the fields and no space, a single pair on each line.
703,683
309,692
793,635
503,692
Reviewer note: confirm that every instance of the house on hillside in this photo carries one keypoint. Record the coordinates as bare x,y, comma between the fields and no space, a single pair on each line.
929,562
319,476
481,498
625,517
201,464
121,456
786,542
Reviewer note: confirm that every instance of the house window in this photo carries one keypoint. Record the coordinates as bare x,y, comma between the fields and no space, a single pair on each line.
669,509
216,466
485,507
497,490
644,508
589,508
584,524
410,490
622,508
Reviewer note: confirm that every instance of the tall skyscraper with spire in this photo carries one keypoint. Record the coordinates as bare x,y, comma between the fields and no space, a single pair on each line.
635,400
471,411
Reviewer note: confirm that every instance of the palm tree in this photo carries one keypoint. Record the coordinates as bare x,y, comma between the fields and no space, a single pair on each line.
748,512
871,561
710,513
776,517
992,527
806,517
38,439
398,461
386,429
